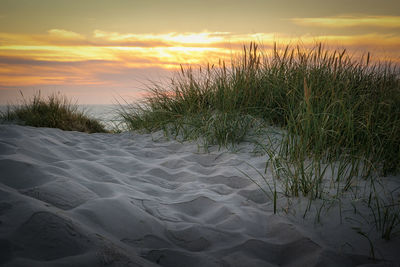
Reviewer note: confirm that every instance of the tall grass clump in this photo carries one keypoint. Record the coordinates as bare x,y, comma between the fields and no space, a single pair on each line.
54,112
332,106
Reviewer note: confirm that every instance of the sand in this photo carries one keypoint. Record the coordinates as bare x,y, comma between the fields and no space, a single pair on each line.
74,199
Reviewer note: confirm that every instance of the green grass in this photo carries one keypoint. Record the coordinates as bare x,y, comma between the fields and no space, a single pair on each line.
340,116
54,112
385,210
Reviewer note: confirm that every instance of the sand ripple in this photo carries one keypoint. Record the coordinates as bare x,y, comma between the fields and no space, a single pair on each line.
74,199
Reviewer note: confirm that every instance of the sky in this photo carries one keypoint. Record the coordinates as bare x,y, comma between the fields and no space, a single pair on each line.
103,51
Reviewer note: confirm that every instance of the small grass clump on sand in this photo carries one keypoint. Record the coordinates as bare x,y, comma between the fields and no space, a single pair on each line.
54,112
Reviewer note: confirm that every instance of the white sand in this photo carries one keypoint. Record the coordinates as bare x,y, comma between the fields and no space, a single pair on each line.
73,199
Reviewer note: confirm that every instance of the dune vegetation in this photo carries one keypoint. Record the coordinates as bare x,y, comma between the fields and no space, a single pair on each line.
56,111
338,115
331,105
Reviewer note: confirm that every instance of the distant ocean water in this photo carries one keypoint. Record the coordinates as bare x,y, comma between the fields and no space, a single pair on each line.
107,114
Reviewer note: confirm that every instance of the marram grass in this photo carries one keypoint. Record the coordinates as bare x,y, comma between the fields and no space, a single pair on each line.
56,111
332,106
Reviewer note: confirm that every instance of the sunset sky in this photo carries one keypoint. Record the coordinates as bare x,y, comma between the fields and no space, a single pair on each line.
96,51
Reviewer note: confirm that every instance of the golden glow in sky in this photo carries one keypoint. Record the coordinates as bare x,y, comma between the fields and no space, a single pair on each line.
92,51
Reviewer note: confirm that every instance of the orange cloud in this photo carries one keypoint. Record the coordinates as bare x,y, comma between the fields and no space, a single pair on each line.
351,21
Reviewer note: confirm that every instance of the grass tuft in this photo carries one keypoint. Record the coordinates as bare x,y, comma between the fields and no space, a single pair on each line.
54,112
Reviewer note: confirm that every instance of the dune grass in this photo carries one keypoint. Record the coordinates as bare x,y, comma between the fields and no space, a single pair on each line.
332,106
56,111
339,119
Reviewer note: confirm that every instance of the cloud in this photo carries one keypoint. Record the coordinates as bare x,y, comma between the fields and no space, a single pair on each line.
350,21
167,38
65,35
7,60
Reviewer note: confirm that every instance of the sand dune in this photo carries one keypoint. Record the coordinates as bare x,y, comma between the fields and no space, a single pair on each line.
73,199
